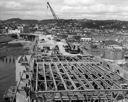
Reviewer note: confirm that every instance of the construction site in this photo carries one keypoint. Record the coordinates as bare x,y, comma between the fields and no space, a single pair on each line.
53,73
61,78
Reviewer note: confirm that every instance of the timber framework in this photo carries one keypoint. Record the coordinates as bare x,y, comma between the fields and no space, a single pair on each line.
79,78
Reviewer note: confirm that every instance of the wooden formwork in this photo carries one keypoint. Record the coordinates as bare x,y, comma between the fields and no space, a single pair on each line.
62,78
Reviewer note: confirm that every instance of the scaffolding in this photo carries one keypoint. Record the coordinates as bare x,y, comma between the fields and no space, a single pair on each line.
75,79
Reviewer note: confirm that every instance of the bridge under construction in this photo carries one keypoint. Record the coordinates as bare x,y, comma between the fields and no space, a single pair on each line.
81,78
57,77
53,75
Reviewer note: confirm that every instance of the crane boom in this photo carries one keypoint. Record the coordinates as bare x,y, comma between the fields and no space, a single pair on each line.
56,18
52,11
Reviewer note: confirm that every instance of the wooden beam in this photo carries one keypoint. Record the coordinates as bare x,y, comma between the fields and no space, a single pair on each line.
37,77
89,74
46,88
53,77
63,82
70,69
83,77
69,77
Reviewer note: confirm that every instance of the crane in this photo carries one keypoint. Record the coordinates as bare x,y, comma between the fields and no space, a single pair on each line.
57,18
52,11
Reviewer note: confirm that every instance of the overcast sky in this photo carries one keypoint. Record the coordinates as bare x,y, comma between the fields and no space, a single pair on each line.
72,9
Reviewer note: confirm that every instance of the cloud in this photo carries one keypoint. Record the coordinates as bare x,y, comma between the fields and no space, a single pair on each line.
12,4
97,8
79,2
93,9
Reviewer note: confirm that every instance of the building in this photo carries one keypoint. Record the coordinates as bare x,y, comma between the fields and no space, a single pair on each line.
86,39
16,31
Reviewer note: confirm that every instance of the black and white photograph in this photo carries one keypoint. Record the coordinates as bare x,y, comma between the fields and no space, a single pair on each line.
63,50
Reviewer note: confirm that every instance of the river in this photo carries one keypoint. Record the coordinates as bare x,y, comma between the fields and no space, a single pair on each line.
7,74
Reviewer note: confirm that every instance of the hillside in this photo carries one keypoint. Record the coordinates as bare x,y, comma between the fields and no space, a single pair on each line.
20,21
85,23
105,24
5,39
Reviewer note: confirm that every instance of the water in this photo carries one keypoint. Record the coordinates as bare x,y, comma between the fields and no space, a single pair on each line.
7,74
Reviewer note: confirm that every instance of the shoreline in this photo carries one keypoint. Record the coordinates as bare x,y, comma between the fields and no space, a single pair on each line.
13,50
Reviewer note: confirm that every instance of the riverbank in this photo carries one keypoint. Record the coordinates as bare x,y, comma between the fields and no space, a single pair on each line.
12,50
12,47
5,39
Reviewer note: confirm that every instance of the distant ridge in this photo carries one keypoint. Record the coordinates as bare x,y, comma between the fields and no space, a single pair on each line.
88,23
13,19
18,20
21,21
